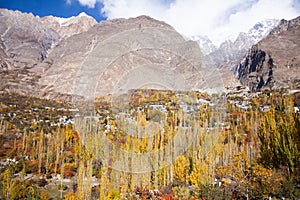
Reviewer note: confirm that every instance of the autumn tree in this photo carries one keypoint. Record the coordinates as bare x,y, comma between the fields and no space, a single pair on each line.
277,134
181,169
6,178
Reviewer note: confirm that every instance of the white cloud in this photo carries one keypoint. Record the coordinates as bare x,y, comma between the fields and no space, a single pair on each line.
218,19
88,3
132,8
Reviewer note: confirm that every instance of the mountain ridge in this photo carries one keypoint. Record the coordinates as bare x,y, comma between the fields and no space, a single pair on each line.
229,53
45,56
117,50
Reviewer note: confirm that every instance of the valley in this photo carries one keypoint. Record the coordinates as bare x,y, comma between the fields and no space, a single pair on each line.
155,144
132,109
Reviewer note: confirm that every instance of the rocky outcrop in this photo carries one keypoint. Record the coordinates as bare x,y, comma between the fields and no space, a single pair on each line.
256,70
274,62
285,25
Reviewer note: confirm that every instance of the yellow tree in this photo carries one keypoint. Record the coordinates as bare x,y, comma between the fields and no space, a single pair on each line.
57,148
41,150
278,136
181,169
6,182
200,175
70,196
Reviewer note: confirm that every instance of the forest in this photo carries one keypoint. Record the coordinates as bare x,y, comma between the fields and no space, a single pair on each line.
151,144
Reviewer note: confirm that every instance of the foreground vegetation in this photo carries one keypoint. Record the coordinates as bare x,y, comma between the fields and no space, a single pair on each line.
150,144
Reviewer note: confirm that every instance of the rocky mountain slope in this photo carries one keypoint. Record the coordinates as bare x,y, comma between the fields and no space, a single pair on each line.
274,61
229,53
117,55
25,41
50,56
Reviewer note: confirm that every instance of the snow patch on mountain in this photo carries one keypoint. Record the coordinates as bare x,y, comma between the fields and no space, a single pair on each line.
261,29
71,20
243,41
205,44
231,51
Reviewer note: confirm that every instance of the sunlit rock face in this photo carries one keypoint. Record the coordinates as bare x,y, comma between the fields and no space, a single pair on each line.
118,55
50,56
24,40
67,27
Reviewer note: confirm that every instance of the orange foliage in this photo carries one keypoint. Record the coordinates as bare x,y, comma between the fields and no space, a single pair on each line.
68,173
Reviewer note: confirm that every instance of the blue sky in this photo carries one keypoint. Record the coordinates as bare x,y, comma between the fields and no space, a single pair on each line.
220,20
59,8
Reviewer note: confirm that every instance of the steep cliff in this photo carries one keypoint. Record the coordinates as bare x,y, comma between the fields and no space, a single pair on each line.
274,62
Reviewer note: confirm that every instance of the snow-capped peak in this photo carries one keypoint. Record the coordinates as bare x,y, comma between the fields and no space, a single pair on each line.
243,41
205,44
83,14
71,20
262,29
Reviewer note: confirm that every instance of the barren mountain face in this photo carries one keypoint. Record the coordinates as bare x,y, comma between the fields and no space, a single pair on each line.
50,56
24,39
275,61
24,42
118,55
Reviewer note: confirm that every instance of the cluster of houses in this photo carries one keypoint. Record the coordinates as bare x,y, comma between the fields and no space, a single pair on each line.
240,97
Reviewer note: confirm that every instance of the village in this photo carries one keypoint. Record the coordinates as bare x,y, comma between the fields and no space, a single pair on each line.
30,126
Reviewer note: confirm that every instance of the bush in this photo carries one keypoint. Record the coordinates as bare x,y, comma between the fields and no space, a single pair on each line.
181,192
31,166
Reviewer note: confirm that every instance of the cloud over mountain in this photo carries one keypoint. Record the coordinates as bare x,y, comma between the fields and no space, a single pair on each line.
218,19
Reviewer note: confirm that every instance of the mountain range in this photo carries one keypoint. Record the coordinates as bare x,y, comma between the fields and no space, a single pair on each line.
53,57
230,52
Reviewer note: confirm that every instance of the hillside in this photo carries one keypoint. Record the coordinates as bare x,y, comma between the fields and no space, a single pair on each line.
131,109
54,57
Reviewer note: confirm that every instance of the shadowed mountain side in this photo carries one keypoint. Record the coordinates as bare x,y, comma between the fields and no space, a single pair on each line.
274,62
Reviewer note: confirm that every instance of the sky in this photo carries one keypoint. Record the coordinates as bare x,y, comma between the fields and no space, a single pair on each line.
218,19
